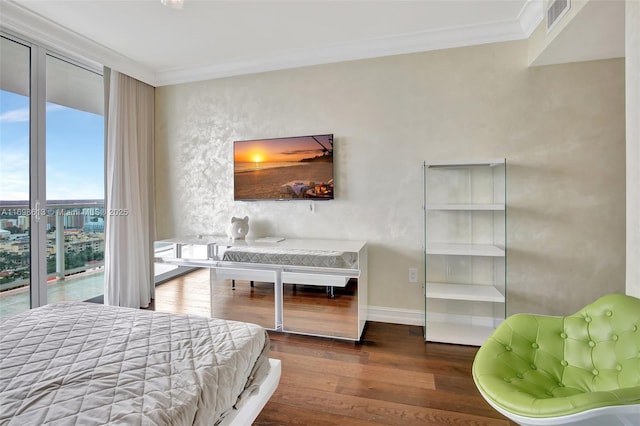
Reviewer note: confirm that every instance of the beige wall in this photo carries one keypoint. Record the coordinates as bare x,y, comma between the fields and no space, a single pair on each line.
632,50
561,128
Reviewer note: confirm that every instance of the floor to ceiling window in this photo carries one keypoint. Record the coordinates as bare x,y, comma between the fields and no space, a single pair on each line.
51,178
15,246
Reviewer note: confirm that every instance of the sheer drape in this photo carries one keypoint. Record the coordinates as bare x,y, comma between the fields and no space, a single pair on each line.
129,200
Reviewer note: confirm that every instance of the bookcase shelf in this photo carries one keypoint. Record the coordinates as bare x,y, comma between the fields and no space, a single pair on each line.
471,292
464,207
464,249
462,334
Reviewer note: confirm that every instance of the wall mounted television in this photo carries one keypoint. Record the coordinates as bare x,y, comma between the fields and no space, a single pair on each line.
291,168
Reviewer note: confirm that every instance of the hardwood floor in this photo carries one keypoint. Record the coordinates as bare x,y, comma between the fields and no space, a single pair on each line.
393,377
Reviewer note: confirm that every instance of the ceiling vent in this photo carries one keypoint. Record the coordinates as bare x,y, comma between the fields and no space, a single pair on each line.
557,9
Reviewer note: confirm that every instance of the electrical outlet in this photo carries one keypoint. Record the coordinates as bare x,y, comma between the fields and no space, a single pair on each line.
413,275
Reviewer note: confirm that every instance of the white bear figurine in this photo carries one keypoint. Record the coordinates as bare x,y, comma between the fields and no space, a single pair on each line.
238,228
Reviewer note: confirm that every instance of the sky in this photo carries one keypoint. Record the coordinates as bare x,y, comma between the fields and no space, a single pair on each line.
74,151
279,150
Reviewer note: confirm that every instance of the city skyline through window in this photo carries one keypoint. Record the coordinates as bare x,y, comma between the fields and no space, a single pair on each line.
51,181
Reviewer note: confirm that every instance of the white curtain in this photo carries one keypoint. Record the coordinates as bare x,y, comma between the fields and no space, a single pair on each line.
129,202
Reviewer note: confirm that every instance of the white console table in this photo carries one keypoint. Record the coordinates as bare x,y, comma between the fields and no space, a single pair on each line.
208,251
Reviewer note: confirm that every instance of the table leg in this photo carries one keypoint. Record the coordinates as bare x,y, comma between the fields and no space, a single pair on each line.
277,284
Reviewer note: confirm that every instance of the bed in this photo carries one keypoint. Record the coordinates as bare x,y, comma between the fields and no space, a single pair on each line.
86,363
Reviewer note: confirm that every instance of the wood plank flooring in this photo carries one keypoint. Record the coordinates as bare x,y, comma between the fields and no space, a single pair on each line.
392,378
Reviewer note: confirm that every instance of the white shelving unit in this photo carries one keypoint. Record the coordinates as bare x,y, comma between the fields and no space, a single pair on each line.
465,250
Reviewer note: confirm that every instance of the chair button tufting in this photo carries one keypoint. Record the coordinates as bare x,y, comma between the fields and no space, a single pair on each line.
564,363
519,376
549,393
563,335
587,319
507,348
535,345
595,372
508,380
592,343
619,367
615,337
608,313
560,384
533,367
635,328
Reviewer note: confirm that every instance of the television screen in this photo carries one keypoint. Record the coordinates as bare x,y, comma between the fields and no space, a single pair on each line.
294,168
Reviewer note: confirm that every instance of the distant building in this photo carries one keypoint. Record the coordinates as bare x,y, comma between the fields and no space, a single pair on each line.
16,247
4,235
23,222
73,221
93,224
7,223
76,241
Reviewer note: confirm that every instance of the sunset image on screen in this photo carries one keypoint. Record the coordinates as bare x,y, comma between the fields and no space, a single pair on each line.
284,168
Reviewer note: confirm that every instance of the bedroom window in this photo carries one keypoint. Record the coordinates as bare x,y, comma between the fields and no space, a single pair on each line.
51,178
15,247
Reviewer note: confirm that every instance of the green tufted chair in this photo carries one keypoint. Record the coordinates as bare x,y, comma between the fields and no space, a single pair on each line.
581,369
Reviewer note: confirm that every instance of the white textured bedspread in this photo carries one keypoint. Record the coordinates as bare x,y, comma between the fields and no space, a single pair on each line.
90,364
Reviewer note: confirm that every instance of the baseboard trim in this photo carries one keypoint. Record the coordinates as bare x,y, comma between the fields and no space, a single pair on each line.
395,316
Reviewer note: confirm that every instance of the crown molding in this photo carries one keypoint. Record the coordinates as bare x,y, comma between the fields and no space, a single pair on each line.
531,16
364,49
34,28
25,23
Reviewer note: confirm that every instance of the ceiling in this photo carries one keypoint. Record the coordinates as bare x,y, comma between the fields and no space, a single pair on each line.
211,39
